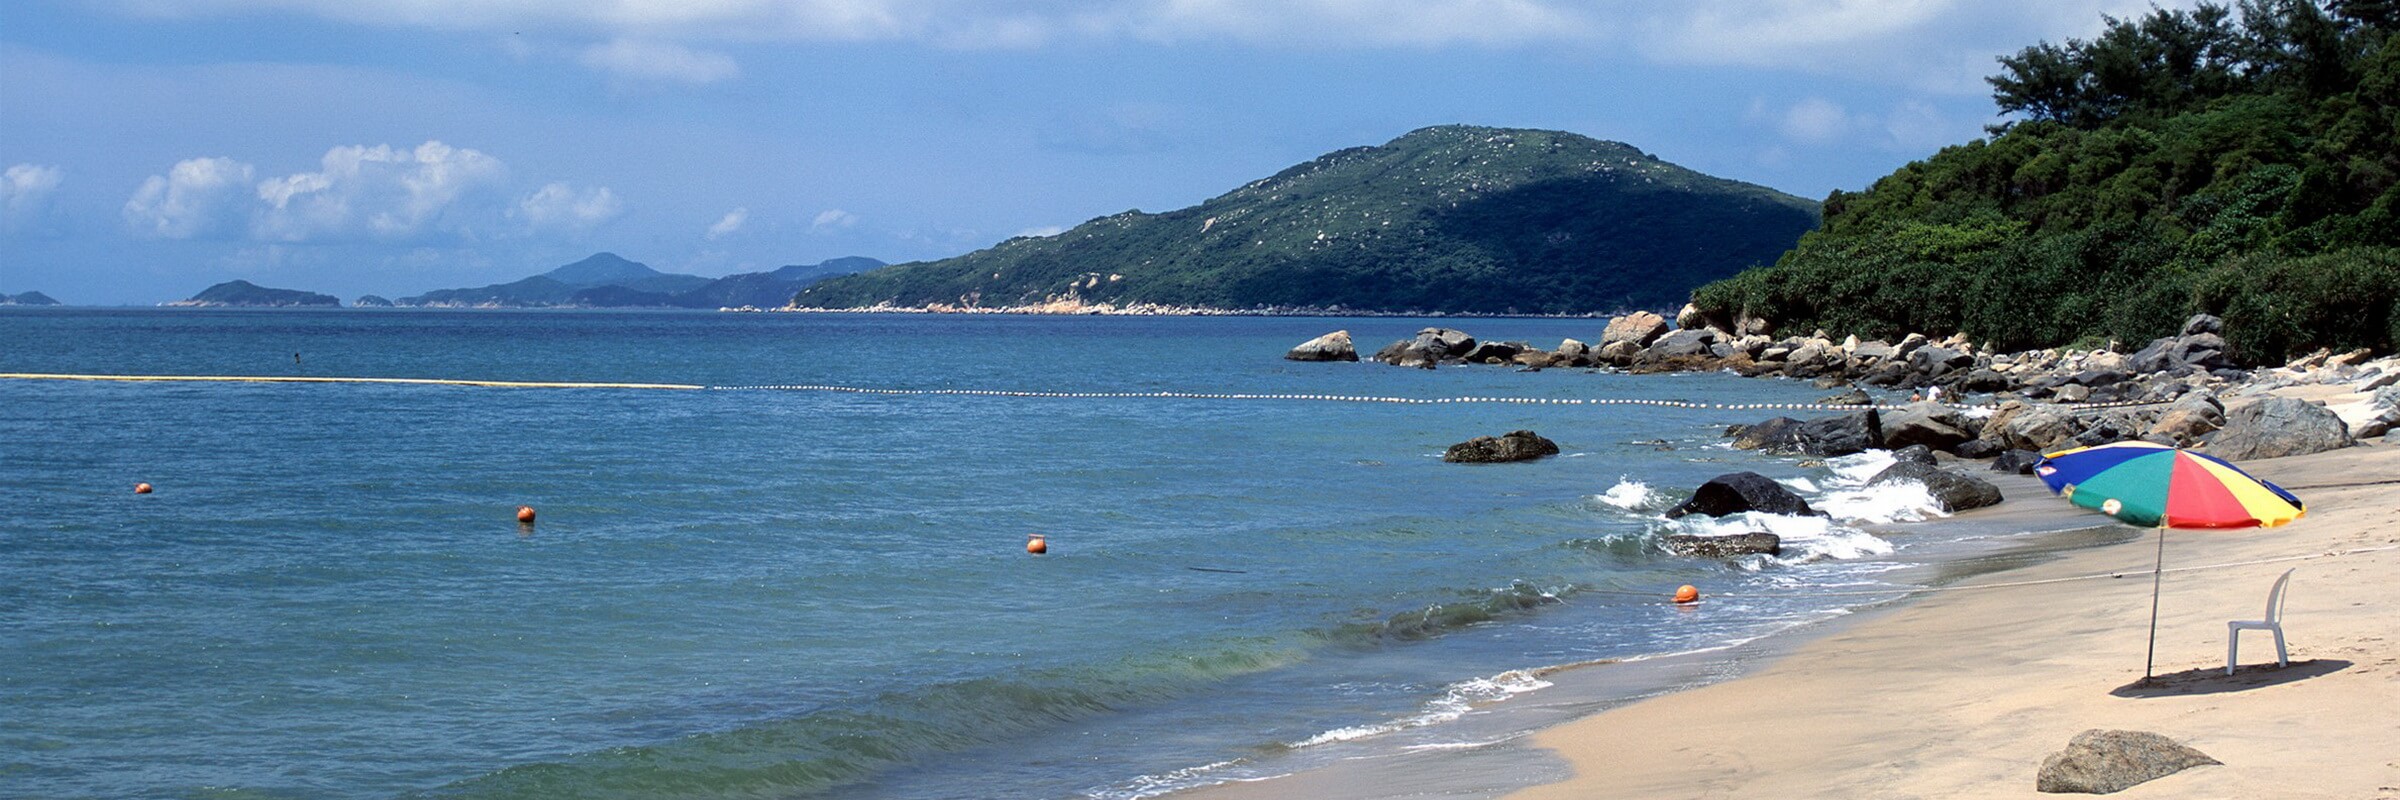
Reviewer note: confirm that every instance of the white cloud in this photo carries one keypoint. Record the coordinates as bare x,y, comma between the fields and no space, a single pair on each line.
1815,120
834,218
25,192
732,221
1042,232
558,206
379,193
199,197
431,194
659,61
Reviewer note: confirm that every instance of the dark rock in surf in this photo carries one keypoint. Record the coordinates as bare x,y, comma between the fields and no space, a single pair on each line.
1513,446
1741,544
1739,492
1950,490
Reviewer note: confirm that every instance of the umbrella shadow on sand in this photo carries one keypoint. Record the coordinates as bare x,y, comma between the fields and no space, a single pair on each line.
2213,680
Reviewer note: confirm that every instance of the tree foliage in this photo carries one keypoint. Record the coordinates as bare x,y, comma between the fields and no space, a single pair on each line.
2166,167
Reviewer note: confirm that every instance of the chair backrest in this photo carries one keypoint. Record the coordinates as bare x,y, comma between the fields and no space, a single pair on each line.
2275,596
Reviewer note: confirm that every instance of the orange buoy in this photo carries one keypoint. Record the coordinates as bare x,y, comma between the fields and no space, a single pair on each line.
141,488
1687,594
525,514
1036,545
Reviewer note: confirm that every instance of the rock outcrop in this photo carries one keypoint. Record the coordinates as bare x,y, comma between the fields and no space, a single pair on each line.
2279,426
1740,544
2107,762
1333,346
1512,446
1739,492
1951,491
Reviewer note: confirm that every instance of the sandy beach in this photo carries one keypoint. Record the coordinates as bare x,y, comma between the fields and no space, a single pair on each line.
1963,691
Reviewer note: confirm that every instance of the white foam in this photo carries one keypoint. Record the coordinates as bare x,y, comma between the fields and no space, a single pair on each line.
1455,701
1805,538
1898,501
1629,494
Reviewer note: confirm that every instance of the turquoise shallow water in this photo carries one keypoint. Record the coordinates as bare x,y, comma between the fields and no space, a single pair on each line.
768,594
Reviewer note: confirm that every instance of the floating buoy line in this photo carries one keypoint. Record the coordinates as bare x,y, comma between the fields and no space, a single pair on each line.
1159,395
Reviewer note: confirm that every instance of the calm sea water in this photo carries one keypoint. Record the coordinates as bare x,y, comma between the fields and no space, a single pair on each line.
779,594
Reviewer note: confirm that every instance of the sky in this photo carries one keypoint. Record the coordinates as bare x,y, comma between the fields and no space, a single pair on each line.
152,148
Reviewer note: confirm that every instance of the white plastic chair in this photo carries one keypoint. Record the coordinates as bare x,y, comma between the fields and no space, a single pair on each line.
2273,624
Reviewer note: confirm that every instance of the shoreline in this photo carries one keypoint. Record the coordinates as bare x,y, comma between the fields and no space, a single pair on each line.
1998,540
1964,692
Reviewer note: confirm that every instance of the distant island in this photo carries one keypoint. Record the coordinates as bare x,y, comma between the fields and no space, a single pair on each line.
244,294
1449,219
27,299
606,280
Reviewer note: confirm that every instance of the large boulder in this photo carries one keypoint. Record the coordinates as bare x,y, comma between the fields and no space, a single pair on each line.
1640,327
1951,491
2107,762
1618,354
1778,435
1740,544
1406,353
1513,446
2277,427
2191,419
1333,346
1573,353
1495,352
2198,346
1682,343
1842,435
1930,424
2019,462
1445,342
1738,492
2040,428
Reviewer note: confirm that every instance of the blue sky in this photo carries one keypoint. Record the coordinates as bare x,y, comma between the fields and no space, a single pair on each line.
152,148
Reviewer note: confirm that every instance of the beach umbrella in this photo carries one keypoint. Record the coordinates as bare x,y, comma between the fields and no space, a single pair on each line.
2153,485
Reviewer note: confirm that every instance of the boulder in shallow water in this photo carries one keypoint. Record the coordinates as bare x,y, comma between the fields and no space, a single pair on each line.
1640,327
1855,397
2107,762
1335,346
2277,427
1951,491
1740,544
1930,424
1738,492
1513,446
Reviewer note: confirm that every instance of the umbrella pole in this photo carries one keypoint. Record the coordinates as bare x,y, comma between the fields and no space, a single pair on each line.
2157,568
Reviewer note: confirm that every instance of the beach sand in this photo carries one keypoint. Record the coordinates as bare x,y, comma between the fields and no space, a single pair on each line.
1962,692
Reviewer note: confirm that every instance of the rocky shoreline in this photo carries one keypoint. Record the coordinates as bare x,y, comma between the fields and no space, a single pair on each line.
2181,390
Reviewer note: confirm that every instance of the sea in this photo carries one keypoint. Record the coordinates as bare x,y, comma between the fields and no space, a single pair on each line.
775,587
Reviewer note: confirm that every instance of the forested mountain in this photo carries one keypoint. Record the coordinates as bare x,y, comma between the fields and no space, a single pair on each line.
2239,161
606,280
244,294
1443,219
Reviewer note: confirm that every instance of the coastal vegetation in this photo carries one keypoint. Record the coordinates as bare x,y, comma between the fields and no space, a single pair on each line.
2234,161
1450,219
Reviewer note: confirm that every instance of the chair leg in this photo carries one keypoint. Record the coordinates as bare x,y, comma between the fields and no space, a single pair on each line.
2281,658
2233,644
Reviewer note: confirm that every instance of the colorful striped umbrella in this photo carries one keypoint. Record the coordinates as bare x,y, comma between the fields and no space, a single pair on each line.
2153,485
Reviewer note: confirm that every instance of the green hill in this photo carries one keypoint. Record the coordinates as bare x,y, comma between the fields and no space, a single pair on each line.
1444,219
244,294
2242,164
606,280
